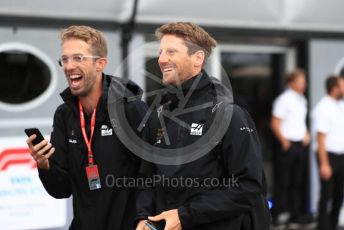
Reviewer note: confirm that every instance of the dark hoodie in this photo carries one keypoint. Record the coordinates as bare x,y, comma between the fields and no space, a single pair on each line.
111,207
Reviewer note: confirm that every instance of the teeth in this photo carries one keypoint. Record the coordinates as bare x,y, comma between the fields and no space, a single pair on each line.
166,70
72,77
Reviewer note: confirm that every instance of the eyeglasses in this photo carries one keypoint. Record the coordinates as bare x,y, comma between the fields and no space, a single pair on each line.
77,58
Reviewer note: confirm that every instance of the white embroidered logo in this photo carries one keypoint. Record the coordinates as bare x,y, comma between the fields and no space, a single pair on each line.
196,129
246,129
72,141
106,131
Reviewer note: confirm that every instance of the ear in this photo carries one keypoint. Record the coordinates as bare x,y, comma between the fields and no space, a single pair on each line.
199,57
101,64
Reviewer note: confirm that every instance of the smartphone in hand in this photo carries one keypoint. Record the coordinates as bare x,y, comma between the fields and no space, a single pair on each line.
39,136
155,225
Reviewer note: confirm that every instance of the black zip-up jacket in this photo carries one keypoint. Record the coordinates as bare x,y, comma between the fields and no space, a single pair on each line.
224,189
110,207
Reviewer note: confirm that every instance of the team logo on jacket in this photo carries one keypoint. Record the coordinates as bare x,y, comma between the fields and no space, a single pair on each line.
72,141
246,129
196,129
106,131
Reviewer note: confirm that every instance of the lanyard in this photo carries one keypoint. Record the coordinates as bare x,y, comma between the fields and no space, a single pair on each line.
83,129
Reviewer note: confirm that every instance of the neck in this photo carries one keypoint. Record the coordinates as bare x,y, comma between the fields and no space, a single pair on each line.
295,90
194,74
334,96
89,102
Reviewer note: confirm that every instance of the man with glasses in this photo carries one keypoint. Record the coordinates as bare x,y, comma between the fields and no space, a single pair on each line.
84,149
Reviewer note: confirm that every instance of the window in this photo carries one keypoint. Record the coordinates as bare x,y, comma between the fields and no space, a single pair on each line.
28,77
23,77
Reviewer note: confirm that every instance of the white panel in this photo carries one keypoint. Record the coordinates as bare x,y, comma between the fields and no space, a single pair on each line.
325,57
318,15
271,14
207,12
115,10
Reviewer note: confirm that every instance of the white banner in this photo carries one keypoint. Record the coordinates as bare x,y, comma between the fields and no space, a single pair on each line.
24,203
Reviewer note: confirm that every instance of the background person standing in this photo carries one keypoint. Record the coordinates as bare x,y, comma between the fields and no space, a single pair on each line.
328,121
288,124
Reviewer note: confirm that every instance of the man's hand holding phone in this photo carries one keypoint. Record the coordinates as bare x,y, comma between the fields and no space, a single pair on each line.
150,225
168,220
40,149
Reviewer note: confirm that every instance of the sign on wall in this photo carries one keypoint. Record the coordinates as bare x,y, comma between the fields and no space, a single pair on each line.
24,203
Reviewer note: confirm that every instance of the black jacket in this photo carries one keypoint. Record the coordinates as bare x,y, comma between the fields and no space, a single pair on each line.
224,189
110,207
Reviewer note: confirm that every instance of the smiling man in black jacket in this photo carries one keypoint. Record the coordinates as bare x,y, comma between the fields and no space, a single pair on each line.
207,170
84,149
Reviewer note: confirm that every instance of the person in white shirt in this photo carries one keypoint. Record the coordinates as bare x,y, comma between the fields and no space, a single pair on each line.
341,84
288,124
328,123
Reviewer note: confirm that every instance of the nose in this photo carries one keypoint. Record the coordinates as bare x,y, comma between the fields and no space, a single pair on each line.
68,65
163,58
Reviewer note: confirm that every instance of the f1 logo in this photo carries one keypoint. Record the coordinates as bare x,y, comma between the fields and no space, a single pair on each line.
15,156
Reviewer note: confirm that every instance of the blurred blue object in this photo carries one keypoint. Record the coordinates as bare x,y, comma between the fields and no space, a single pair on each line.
270,203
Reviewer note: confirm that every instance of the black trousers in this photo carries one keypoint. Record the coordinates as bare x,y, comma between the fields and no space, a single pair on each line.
331,190
291,181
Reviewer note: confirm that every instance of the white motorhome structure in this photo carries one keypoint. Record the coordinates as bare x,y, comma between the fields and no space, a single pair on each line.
258,42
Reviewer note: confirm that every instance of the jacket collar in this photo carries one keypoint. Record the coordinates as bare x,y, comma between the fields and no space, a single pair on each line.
193,86
128,89
196,83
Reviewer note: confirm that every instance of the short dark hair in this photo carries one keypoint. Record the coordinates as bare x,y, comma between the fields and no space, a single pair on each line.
331,83
341,73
